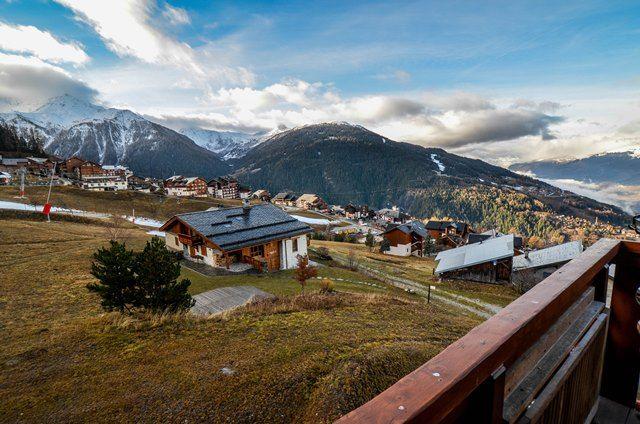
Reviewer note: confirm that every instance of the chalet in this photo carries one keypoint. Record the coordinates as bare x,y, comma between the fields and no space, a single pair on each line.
42,166
441,229
262,195
534,266
358,212
260,236
186,187
71,167
11,165
406,239
311,201
244,192
393,215
489,261
5,178
285,198
223,188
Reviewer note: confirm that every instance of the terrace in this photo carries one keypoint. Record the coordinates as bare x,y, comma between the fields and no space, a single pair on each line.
567,351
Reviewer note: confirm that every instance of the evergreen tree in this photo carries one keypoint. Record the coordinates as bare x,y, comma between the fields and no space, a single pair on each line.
385,246
114,269
370,241
157,272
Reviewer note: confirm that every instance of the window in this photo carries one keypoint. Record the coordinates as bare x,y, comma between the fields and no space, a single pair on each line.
177,241
295,245
204,250
257,250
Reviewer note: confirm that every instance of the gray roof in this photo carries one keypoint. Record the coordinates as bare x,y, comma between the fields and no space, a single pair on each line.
549,256
410,227
233,228
474,254
14,161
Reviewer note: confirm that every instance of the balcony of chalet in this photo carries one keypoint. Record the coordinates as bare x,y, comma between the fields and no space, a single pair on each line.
567,351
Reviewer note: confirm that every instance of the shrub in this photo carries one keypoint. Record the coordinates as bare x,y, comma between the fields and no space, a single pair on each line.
304,271
323,253
385,246
326,286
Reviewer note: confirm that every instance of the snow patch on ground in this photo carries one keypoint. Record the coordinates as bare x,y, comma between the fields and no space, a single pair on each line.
315,221
16,206
434,158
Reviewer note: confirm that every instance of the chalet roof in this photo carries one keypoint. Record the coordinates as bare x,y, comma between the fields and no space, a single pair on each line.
438,225
308,197
474,254
235,228
518,242
4,175
285,195
410,227
14,161
549,256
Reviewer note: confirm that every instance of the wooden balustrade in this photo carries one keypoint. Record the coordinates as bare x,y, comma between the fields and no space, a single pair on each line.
547,357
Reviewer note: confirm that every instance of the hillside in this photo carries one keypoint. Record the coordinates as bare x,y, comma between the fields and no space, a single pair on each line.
346,163
297,359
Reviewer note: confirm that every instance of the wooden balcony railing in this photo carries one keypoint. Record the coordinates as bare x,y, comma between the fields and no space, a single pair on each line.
547,357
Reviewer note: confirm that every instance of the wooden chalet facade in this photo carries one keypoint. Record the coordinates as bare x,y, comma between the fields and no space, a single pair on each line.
262,236
406,239
223,188
185,187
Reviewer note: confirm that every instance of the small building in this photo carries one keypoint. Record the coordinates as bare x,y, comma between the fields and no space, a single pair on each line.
5,178
393,215
441,229
259,236
11,165
262,195
358,212
406,239
534,266
185,186
489,261
244,192
285,198
223,188
311,201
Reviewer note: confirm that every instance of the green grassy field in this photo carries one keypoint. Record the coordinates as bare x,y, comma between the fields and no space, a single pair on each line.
304,358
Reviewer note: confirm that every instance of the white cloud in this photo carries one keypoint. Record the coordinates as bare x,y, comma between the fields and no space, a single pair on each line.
26,82
30,40
175,15
126,28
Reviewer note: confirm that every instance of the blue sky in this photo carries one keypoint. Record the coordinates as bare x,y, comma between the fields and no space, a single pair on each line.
503,81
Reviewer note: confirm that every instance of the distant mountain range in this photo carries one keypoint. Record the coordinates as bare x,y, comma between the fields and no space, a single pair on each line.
69,126
620,168
339,161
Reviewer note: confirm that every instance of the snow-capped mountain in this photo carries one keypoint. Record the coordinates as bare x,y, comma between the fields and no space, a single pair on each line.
70,126
226,144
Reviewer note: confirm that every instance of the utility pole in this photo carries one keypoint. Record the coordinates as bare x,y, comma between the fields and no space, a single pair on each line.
22,172
47,207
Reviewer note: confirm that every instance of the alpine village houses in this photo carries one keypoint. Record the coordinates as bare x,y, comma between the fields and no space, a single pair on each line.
260,236
406,239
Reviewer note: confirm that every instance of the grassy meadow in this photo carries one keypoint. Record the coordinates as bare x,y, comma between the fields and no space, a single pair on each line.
297,358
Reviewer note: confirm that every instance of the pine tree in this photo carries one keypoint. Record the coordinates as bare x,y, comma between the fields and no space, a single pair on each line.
114,269
370,241
157,272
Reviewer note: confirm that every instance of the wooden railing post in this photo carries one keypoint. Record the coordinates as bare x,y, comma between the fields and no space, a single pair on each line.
600,283
622,357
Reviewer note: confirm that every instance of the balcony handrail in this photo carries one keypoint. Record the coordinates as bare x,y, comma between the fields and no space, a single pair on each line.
438,387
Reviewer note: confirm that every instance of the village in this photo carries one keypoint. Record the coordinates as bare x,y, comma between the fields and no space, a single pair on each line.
461,252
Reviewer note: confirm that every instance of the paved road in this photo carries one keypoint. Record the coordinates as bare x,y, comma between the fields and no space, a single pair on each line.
226,298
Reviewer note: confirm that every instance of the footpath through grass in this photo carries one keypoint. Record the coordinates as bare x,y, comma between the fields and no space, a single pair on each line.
294,359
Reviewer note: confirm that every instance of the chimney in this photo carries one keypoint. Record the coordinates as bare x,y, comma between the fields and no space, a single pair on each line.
246,207
526,253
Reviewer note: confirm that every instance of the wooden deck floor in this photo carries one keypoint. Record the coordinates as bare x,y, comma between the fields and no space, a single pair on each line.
610,412
226,298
